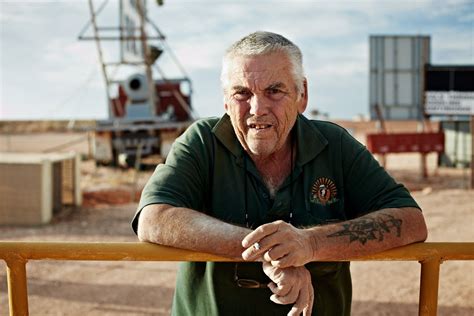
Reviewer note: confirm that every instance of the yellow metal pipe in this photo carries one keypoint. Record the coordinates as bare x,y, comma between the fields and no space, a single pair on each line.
429,283
138,251
128,251
17,287
16,254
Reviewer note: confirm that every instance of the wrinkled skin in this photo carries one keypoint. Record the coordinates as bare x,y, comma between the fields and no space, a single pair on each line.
291,285
262,101
281,244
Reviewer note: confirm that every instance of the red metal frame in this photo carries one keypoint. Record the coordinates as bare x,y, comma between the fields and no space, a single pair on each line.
406,143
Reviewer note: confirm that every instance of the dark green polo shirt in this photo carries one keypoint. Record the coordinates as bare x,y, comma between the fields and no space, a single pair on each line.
334,179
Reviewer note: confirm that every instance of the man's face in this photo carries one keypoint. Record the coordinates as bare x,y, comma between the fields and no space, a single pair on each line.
262,102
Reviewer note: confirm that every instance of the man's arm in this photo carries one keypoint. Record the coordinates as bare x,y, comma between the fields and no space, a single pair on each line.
188,229
284,245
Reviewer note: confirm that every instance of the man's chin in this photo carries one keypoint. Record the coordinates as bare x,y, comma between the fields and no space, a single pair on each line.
261,151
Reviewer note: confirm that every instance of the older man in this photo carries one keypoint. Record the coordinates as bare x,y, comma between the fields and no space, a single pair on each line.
266,184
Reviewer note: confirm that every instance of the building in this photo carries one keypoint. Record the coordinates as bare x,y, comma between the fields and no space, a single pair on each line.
396,82
449,98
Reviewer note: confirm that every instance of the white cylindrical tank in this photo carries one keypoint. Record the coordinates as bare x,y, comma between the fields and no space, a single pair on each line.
136,87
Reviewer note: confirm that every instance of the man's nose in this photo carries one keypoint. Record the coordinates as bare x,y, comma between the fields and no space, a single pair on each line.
258,106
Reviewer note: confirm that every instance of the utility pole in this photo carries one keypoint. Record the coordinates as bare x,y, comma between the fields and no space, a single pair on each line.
101,58
472,151
147,56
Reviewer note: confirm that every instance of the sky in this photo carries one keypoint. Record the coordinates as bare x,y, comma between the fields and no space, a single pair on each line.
47,73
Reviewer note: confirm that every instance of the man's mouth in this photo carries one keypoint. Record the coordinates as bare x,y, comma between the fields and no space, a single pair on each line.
259,126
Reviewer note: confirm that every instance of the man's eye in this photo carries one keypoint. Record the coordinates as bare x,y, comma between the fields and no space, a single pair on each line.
241,95
274,91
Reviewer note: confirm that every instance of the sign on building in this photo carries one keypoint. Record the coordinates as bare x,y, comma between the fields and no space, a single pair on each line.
449,103
449,90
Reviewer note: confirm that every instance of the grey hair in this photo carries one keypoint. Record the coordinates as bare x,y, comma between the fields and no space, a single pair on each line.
261,43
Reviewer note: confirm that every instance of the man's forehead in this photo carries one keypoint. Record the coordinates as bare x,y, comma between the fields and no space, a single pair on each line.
264,85
263,70
259,64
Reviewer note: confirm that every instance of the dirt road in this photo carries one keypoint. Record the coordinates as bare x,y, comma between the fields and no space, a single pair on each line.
146,288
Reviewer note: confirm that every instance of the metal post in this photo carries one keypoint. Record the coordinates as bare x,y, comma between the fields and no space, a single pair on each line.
17,287
147,57
472,151
138,160
101,58
429,283
424,166
383,160
90,145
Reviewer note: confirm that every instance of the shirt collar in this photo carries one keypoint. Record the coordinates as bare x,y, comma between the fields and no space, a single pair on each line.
310,140
226,135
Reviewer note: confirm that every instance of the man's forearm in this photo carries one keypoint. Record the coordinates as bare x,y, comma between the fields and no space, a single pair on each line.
287,246
188,229
372,233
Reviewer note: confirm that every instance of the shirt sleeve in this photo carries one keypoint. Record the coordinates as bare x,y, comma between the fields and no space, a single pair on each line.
183,180
368,185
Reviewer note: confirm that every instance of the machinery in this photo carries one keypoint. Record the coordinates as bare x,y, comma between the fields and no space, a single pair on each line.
145,114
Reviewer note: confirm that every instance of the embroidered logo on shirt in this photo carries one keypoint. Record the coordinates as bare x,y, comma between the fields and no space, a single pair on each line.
323,192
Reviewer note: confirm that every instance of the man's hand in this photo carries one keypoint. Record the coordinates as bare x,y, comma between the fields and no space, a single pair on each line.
291,285
279,243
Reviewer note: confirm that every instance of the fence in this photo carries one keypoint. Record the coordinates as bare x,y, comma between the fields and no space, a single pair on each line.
17,254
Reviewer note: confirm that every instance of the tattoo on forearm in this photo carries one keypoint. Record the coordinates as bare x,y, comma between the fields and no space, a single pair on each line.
365,229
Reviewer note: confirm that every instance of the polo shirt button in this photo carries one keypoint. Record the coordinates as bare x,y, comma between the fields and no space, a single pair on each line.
265,196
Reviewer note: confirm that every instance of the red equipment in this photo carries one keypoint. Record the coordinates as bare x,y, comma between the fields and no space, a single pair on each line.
406,143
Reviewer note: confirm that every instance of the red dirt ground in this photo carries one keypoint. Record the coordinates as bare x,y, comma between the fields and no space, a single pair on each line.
146,288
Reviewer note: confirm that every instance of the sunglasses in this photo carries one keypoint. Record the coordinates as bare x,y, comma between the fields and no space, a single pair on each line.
247,283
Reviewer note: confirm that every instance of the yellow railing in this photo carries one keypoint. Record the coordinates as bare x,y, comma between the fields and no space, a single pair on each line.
17,254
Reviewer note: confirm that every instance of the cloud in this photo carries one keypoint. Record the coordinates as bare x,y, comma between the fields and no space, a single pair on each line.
65,64
40,52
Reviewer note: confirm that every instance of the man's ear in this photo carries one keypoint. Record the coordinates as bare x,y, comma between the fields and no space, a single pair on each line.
303,102
226,107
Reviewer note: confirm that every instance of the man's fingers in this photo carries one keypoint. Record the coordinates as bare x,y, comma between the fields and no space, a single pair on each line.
303,304
298,306
294,311
308,305
309,309
259,233
289,298
253,252
285,262
275,253
281,290
268,239
268,269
